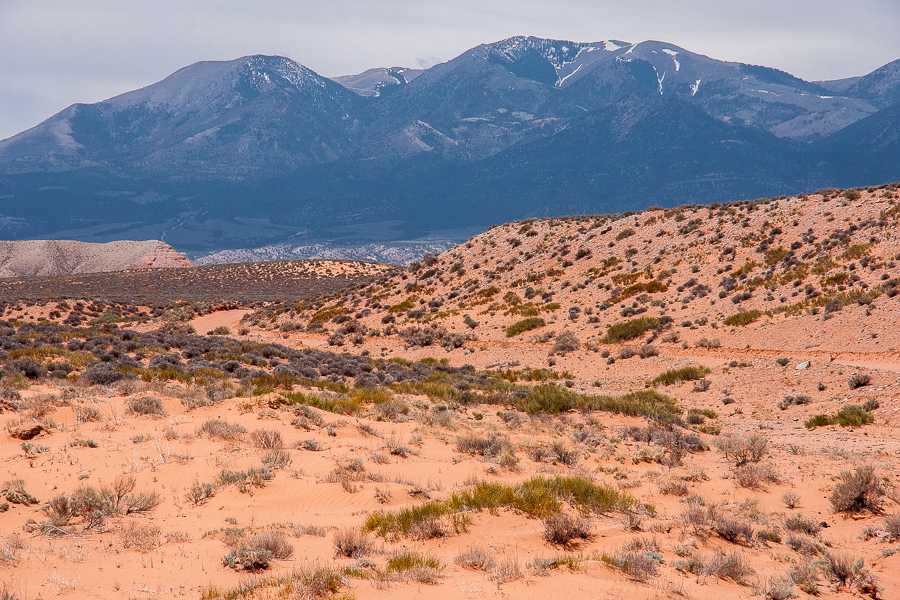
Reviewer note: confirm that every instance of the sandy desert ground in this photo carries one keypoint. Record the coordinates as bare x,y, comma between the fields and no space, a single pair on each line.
682,403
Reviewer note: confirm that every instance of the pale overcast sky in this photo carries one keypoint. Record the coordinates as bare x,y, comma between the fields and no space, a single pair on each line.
57,52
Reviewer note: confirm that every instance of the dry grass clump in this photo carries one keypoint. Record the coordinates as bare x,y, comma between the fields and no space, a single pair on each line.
93,506
860,490
475,558
217,428
742,449
800,524
245,480
676,376
753,476
267,439
353,542
507,569
555,453
536,497
495,448
722,565
146,405
142,537
409,564
14,491
639,559
562,529
776,588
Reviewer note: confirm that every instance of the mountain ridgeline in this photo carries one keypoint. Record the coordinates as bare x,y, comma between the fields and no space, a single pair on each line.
261,150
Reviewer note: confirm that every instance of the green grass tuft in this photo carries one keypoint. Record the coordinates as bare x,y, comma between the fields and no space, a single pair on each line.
629,330
525,325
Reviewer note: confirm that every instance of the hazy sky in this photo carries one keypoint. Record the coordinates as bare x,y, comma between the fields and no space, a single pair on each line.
57,52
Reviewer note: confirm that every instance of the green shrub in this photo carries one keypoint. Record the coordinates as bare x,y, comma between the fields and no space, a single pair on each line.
536,497
525,325
860,490
689,373
629,330
743,318
851,415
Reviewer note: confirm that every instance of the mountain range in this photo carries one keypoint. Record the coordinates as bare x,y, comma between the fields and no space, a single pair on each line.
262,151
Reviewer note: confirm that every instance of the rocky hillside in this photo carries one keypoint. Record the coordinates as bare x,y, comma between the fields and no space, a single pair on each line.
759,273
64,257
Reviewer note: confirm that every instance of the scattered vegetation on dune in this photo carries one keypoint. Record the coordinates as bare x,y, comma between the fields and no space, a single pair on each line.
536,497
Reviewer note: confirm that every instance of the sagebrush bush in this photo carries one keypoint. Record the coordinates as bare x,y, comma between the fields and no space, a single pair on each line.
859,490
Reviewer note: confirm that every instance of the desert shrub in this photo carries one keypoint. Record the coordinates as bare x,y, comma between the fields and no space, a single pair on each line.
276,459
709,343
733,530
552,398
146,405
731,565
525,325
851,415
800,524
200,493
798,400
629,330
639,565
776,588
742,319
247,558
791,499
487,446
267,439
858,380
843,569
753,476
353,543
536,497
245,480
142,537
806,577
218,428
476,558
891,526
673,376
507,569
101,373
562,528
701,385
740,450
14,491
674,488
860,490
566,342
